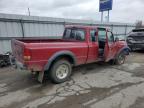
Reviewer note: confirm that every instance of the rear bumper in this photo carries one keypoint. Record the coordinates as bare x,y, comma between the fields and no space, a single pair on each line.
19,65
31,66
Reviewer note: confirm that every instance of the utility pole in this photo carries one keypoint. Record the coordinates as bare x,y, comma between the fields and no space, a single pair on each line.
108,16
101,16
29,12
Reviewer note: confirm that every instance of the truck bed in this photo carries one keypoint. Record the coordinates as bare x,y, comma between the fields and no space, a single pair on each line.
44,40
41,50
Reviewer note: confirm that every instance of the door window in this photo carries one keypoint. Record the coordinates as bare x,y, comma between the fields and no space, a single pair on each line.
102,38
93,35
102,35
110,37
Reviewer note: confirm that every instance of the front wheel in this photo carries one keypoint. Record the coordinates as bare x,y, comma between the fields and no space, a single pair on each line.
120,59
60,71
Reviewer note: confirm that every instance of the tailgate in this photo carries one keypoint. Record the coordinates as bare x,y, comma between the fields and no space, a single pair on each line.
18,50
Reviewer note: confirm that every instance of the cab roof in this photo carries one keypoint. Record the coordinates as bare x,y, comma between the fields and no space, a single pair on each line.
84,27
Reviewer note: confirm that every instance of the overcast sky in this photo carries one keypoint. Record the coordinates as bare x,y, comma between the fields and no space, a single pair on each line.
123,10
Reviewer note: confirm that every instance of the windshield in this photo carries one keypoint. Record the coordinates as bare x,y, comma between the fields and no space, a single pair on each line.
120,37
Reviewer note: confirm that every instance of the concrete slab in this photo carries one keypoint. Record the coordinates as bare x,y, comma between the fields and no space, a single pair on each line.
91,86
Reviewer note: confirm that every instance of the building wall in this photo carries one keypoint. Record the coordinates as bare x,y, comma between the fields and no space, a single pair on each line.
15,26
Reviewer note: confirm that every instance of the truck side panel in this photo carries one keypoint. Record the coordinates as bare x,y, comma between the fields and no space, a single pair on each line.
41,52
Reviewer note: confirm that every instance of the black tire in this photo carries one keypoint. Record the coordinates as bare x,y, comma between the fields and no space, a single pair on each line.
1,63
120,59
55,78
112,62
132,49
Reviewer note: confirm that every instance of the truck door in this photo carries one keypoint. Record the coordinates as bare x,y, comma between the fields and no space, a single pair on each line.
110,47
93,46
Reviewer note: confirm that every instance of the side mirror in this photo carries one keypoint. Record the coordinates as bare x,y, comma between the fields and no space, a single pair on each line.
116,39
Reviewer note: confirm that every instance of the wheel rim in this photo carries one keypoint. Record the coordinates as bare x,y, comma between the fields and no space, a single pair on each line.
62,71
121,58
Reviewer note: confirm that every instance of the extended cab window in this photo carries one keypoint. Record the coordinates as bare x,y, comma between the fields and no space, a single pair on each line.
75,34
93,35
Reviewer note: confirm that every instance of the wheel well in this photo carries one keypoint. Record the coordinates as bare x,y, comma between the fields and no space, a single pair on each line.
126,51
65,57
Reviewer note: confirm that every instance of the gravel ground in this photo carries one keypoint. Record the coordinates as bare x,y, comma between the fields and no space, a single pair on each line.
91,86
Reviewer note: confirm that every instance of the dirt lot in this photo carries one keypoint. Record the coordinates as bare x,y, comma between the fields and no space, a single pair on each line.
91,86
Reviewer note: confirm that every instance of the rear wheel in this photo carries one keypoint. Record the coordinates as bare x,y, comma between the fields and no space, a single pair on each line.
60,71
120,59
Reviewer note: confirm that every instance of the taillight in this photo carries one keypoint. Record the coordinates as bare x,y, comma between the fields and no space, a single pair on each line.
27,54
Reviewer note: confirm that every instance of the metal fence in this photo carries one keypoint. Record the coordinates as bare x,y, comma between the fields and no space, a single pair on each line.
19,26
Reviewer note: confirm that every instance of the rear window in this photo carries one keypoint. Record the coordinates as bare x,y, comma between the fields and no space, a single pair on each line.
74,34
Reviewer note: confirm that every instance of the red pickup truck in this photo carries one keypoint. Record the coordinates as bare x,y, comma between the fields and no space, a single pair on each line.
79,45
